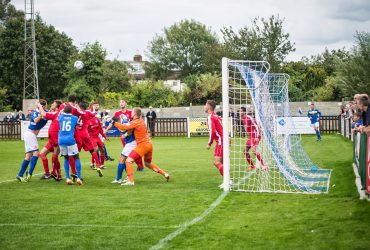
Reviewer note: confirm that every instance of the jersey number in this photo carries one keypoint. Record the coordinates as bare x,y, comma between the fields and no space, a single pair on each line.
66,126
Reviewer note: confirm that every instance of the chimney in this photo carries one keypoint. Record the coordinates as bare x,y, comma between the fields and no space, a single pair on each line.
138,58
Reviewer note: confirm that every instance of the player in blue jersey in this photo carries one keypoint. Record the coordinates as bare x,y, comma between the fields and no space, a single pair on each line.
67,143
314,115
31,143
130,144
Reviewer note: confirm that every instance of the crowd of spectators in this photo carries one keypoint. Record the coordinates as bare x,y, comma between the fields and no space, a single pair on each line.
11,117
358,111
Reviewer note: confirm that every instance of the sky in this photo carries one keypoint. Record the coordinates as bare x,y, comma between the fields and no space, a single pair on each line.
125,28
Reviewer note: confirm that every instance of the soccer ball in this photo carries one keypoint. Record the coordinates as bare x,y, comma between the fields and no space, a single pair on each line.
78,65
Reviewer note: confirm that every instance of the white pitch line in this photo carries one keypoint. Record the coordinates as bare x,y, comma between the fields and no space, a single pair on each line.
183,227
85,225
1,182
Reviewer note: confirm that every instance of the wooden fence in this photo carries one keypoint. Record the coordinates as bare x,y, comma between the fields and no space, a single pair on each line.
179,127
10,130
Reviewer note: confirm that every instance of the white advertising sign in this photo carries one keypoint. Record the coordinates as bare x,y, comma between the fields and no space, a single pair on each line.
294,125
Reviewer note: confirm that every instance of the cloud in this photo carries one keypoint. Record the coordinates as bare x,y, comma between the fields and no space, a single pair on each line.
129,26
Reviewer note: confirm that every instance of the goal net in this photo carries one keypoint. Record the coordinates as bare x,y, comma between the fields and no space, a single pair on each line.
259,159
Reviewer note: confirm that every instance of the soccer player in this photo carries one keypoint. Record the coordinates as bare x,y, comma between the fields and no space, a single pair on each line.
254,137
127,113
67,142
95,129
314,115
144,146
86,142
52,145
130,144
31,143
214,123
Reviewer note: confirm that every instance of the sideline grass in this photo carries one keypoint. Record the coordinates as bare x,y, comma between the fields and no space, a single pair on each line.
46,214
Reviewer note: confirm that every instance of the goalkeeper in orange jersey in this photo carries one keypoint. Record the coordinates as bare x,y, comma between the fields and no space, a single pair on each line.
144,146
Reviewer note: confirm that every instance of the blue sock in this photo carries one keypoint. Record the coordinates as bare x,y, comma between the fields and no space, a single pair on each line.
78,168
120,168
66,167
105,152
318,135
33,163
23,168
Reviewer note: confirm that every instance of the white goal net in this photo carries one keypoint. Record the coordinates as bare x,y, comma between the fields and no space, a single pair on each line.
258,159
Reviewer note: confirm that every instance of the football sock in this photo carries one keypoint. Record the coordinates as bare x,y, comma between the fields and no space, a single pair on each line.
318,134
155,168
78,168
220,167
105,152
33,163
259,157
249,159
102,158
139,163
120,168
94,155
130,171
72,162
54,158
66,167
23,168
45,164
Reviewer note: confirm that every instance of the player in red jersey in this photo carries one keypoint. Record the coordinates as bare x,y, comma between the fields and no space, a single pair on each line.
127,114
52,145
95,129
254,137
86,141
214,123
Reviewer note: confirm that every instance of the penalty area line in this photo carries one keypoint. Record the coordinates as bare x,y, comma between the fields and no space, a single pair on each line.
1,182
183,227
85,225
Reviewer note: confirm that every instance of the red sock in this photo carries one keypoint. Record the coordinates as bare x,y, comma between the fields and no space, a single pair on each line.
95,157
92,160
53,159
102,158
259,157
45,164
220,167
249,160
72,163
57,165
139,163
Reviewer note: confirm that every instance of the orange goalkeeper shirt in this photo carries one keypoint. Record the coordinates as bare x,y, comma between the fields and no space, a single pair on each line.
140,131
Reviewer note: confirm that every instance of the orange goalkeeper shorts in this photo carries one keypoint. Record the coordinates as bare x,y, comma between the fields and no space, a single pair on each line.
143,149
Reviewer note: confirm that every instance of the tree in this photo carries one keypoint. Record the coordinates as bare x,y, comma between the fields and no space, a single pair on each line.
115,77
181,47
264,40
353,75
53,55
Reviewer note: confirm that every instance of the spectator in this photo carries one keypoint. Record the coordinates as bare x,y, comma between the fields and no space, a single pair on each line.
364,106
9,117
20,116
357,121
151,117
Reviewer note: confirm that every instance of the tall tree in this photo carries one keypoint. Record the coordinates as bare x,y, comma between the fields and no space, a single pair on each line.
182,46
264,40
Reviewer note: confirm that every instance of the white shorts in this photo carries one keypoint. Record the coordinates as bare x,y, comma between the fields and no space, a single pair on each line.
68,150
128,148
30,141
315,125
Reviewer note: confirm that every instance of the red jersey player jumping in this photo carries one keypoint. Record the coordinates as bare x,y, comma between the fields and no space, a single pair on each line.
254,137
214,123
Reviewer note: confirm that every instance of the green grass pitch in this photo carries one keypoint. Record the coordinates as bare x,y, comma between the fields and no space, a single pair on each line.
44,214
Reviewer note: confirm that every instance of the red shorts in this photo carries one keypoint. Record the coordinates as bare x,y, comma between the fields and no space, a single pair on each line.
97,142
52,141
253,141
85,143
219,152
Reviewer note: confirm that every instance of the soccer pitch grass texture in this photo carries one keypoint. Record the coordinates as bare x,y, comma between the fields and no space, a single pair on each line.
45,214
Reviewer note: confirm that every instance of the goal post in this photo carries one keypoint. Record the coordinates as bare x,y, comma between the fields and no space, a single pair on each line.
225,123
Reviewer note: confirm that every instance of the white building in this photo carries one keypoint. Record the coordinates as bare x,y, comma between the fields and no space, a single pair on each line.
175,85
